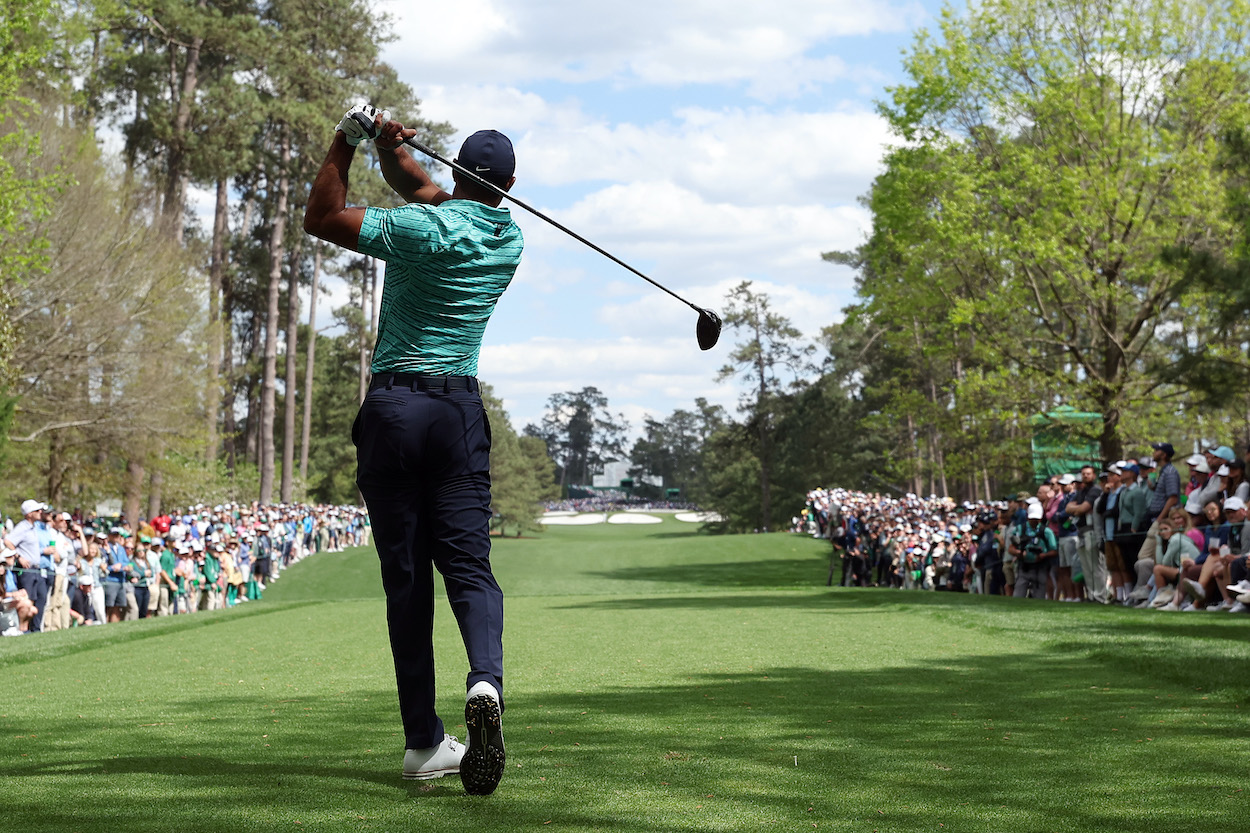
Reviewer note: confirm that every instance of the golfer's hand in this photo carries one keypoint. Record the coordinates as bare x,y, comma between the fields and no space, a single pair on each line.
391,134
351,127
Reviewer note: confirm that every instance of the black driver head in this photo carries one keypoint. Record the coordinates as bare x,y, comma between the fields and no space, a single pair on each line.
708,329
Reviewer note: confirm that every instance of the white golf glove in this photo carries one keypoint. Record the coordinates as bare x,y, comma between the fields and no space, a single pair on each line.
351,124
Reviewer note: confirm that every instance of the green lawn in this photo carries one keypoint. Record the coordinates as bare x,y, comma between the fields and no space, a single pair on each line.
657,680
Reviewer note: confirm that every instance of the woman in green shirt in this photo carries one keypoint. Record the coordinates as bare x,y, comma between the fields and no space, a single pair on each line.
1176,548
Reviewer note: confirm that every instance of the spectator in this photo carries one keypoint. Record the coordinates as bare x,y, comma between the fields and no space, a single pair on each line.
989,561
141,578
117,570
27,538
1165,494
1069,542
17,611
1034,546
1093,565
1130,530
1179,551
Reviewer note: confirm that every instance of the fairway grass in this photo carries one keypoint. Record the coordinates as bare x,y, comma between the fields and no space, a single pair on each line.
658,679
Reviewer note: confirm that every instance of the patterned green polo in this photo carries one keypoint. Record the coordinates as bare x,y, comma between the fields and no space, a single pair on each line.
446,267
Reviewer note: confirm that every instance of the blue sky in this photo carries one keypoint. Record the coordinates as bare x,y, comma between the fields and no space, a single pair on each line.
703,142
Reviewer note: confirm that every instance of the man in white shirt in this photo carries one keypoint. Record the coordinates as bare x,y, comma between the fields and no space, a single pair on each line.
31,544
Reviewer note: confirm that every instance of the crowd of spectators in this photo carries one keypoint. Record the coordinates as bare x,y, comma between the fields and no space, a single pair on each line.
1135,533
60,569
616,502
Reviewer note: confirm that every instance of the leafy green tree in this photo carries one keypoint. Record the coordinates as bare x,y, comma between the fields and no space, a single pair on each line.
771,347
672,449
332,457
110,341
522,475
1050,153
581,434
23,188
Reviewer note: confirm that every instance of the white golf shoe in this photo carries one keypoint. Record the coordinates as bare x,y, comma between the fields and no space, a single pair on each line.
435,762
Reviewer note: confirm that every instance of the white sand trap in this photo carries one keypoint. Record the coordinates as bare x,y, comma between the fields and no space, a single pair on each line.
698,517
572,520
633,518
560,513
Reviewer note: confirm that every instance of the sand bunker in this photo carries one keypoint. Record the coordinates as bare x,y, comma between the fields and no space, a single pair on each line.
571,520
633,518
698,517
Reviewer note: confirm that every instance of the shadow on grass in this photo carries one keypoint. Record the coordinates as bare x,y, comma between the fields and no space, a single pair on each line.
1039,738
770,572
35,648
1043,740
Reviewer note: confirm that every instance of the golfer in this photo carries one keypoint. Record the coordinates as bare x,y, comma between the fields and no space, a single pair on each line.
422,437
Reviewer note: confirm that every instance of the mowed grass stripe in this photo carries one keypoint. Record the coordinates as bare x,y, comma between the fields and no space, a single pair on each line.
606,559
690,709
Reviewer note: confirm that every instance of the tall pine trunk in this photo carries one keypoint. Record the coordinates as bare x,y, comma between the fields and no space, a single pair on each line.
310,364
288,400
270,375
156,486
176,170
133,489
216,270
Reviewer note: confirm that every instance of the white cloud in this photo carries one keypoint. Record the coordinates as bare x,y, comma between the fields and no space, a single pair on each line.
660,42
691,241
638,376
750,155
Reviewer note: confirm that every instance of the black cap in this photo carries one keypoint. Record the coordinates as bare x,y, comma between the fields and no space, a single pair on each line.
488,153
1166,448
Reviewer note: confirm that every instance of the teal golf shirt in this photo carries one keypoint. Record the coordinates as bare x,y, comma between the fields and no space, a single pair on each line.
446,267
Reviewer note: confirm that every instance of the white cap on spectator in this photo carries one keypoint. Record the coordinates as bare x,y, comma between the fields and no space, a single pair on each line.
1033,501
1193,506
1222,471
65,516
1066,479
29,506
1036,512
1234,504
1194,459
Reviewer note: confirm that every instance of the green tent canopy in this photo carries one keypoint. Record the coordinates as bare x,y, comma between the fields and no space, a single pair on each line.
1064,440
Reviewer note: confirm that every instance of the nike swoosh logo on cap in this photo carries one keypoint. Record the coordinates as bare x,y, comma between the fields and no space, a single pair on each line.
480,168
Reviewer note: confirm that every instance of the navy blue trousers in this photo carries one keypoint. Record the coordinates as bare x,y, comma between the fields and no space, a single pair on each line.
423,467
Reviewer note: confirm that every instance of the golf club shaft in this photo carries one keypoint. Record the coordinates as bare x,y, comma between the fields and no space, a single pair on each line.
495,189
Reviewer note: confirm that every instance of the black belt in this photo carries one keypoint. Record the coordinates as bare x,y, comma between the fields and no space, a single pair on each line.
419,381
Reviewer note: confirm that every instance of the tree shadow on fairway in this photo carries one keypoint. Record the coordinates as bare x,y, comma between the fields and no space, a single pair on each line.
992,743
296,760
711,601
771,572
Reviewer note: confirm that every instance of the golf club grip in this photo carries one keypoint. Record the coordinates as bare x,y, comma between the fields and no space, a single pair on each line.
495,189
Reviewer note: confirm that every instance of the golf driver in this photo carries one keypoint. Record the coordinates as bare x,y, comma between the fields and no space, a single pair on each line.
707,330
